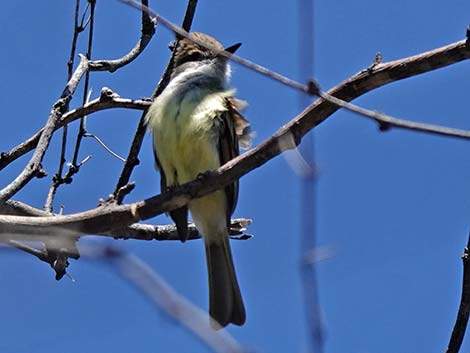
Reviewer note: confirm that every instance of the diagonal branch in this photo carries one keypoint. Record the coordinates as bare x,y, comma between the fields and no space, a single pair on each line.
60,107
382,74
109,217
386,121
167,299
184,33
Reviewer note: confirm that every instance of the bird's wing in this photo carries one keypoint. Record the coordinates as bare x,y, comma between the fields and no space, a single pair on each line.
233,129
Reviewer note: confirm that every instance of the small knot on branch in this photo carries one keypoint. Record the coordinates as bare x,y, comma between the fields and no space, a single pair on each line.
62,104
313,88
122,192
40,172
467,43
108,94
383,126
377,60
57,179
60,265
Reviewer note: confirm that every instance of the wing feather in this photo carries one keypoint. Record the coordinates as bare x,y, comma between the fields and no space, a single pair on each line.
234,130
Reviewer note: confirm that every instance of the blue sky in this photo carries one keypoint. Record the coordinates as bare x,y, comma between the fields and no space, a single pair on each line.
393,208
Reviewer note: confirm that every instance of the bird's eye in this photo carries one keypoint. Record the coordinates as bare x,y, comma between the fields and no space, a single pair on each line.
194,56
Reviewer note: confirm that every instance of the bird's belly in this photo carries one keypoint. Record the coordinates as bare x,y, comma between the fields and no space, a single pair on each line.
186,148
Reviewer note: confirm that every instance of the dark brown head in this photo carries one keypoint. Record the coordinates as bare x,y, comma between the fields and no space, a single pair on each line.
188,51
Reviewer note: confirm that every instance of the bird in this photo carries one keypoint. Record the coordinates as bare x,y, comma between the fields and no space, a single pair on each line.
197,125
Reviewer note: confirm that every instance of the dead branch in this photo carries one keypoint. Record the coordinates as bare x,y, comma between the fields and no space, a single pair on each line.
461,322
172,304
184,33
386,122
59,108
137,231
94,106
33,168
147,32
110,217
167,299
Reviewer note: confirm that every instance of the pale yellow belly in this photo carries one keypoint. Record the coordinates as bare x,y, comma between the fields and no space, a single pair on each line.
185,140
185,149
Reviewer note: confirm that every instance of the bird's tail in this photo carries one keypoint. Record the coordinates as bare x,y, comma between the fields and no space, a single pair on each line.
225,300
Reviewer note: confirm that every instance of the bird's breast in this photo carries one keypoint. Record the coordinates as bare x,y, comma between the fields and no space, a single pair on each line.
185,133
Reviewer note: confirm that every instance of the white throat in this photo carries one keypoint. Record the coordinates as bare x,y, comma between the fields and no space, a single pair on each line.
213,74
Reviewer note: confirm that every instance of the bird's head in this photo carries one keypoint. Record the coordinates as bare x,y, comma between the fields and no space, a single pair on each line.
190,55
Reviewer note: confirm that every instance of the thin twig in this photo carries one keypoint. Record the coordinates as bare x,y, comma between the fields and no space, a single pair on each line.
306,169
168,300
132,157
59,108
189,15
109,150
58,176
386,121
92,107
461,322
182,32
148,30
134,271
363,82
83,22
40,254
58,179
310,89
56,258
76,31
74,168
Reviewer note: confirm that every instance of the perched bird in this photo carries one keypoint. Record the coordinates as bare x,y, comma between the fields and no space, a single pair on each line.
197,127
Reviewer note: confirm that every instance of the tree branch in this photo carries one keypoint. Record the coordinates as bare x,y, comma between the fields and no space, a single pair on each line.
59,108
382,74
386,121
169,232
461,322
169,301
137,231
110,217
102,103
148,30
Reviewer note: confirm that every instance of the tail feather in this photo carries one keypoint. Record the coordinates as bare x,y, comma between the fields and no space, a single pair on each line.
225,300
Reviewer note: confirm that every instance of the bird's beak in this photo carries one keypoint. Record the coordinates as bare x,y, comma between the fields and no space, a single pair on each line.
232,49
